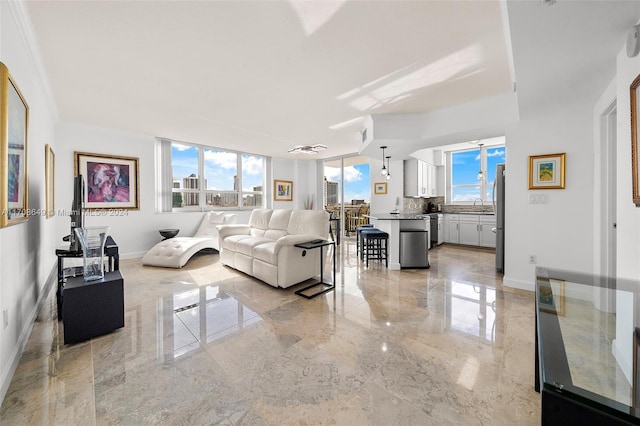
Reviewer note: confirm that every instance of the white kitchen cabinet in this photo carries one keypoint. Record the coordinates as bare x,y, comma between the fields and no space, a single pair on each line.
487,236
429,177
419,179
469,234
470,229
451,228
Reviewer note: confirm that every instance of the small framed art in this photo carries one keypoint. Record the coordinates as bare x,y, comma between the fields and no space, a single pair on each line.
546,171
282,190
380,188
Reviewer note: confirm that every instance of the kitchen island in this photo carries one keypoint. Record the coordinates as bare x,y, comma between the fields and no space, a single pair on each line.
393,224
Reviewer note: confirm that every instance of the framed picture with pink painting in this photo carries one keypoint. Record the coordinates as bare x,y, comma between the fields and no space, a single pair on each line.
111,182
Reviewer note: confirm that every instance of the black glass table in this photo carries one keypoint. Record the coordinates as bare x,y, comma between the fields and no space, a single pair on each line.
587,340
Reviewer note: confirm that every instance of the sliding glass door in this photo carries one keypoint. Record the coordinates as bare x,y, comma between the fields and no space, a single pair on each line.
347,191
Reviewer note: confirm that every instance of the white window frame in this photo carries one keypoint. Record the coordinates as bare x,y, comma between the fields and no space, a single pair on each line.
164,179
483,184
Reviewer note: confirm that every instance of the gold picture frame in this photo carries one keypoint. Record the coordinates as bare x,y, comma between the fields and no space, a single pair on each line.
282,190
380,188
50,179
635,138
547,171
111,181
14,132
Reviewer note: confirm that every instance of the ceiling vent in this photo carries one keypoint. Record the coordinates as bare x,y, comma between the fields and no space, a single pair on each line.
307,149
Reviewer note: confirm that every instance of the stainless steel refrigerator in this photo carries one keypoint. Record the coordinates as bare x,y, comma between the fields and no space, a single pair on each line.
498,208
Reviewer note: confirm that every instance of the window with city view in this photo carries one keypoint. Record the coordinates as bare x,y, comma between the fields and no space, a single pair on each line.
206,177
466,185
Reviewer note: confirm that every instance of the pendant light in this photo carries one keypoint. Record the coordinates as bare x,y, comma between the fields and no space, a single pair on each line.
384,170
480,173
388,177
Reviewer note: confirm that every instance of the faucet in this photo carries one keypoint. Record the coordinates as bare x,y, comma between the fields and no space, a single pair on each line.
481,200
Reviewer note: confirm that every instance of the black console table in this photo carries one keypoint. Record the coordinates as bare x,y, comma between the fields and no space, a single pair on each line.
325,286
113,264
92,308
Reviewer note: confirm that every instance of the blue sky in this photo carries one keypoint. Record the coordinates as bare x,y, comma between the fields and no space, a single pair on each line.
357,186
466,166
220,167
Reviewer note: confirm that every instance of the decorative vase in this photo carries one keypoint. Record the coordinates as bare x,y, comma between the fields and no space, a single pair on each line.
92,239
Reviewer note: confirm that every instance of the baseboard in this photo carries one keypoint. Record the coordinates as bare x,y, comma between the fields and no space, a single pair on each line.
134,255
519,284
14,359
624,362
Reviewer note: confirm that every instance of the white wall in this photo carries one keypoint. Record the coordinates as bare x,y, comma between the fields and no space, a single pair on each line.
559,233
628,216
27,249
137,231
303,175
384,203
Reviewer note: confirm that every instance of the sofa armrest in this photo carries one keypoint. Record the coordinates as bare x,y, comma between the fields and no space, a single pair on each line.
293,239
226,230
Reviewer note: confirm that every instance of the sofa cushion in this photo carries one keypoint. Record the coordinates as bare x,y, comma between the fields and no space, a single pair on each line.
230,243
259,219
280,219
246,245
278,224
266,253
314,222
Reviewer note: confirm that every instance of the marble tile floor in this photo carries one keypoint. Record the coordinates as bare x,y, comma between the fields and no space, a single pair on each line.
208,345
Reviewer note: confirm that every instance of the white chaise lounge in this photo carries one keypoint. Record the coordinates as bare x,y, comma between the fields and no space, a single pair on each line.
176,252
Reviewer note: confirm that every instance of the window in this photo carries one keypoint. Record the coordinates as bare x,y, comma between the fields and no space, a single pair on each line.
204,177
466,183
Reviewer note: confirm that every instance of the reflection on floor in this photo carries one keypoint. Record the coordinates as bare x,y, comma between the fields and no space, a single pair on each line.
208,345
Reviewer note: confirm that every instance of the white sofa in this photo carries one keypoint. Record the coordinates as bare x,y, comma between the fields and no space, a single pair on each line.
265,247
176,252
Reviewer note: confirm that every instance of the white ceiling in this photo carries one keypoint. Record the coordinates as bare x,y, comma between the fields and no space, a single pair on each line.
265,76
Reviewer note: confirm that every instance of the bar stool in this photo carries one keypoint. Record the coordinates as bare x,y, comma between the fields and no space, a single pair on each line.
375,245
359,238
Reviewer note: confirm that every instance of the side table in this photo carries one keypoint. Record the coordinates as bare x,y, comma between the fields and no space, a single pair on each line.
113,264
310,245
92,308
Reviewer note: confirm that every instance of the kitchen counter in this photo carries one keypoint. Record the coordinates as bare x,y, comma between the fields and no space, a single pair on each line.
474,213
393,224
398,216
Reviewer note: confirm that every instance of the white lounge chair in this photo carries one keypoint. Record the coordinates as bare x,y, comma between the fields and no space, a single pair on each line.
176,252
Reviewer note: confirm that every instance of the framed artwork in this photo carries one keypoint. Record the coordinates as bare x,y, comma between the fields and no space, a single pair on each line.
546,171
551,297
50,173
635,129
14,129
282,190
111,182
380,188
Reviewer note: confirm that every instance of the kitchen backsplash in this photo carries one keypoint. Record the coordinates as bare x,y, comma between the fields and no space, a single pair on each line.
421,205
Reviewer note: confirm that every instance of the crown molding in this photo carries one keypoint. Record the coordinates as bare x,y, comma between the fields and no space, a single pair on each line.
22,18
